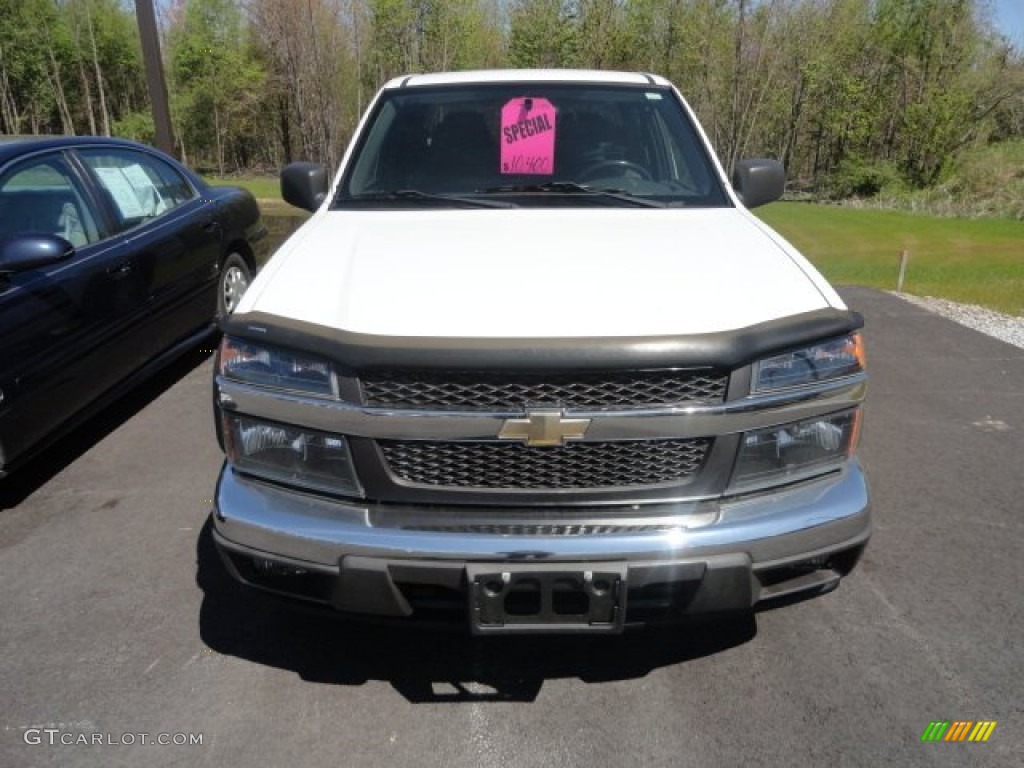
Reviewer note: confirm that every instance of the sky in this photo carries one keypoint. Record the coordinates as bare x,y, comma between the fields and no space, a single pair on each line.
1009,19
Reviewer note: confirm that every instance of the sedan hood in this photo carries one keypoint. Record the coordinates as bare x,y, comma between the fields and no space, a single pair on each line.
529,273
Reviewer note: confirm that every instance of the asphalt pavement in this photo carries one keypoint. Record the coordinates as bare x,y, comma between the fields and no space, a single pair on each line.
118,624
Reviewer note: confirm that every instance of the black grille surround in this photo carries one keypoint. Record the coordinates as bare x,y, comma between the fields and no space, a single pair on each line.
512,392
513,466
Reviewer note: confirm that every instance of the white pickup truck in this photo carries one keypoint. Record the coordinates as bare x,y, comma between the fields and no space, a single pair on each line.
533,366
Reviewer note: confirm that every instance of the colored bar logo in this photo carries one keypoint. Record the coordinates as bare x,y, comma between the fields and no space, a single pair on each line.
958,730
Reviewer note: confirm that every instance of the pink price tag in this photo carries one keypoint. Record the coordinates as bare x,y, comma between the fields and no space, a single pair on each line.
528,137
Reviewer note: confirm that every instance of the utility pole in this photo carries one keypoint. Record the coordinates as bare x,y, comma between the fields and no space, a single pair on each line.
155,75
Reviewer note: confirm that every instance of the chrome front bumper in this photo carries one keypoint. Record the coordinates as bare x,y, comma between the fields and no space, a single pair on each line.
738,551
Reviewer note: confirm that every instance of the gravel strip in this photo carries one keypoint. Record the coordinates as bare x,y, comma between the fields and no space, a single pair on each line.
1005,327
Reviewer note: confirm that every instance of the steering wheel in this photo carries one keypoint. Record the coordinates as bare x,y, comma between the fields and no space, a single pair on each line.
620,165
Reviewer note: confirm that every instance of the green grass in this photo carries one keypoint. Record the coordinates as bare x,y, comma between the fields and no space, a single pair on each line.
262,187
977,261
266,190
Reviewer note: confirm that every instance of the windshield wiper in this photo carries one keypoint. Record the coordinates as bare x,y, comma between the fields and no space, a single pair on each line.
574,188
416,194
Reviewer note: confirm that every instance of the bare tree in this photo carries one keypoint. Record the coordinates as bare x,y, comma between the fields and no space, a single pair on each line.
104,112
57,82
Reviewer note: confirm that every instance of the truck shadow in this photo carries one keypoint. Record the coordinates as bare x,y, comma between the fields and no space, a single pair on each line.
432,664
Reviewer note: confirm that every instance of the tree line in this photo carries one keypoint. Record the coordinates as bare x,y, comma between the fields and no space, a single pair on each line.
849,94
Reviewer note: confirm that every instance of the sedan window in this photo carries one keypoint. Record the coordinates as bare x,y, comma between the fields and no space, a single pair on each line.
40,195
140,187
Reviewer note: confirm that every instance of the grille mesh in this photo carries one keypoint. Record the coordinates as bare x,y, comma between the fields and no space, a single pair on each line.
516,466
539,529
514,392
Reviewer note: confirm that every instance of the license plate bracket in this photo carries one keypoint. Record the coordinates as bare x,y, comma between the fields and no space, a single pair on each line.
511,598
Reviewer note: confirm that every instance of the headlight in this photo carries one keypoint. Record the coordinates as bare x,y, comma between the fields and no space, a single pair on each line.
254,363
793,451
294,455
828,360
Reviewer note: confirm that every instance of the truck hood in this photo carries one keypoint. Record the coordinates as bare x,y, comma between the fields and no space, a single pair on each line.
530,273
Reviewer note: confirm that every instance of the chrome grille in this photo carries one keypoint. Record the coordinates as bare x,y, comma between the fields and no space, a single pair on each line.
487,391
515,466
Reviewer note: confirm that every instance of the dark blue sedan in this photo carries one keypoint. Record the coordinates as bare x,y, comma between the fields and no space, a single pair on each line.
114,258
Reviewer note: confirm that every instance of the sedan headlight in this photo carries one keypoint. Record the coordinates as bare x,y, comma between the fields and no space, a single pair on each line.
254,363
794,451
830,359
293,455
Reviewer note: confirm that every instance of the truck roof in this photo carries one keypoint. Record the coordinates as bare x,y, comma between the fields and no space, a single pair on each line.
526,75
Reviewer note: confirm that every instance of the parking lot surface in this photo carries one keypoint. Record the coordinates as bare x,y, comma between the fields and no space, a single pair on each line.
119,625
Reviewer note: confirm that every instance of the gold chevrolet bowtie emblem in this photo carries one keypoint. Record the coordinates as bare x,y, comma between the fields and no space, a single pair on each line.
544,428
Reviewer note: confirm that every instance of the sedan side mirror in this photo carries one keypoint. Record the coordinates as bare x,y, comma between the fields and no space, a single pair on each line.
759,181
32,250
304,185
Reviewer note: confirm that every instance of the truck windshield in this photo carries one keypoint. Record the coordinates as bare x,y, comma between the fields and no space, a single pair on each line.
539,144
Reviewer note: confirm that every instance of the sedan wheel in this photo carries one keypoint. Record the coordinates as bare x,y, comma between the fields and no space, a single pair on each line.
234,280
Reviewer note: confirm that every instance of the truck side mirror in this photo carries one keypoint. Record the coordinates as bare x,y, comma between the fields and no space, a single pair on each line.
304,185
759,181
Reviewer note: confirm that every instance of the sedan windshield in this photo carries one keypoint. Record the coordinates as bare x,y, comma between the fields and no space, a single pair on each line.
538,144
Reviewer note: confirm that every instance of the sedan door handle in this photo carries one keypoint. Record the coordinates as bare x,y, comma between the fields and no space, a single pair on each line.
212,226
123,269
